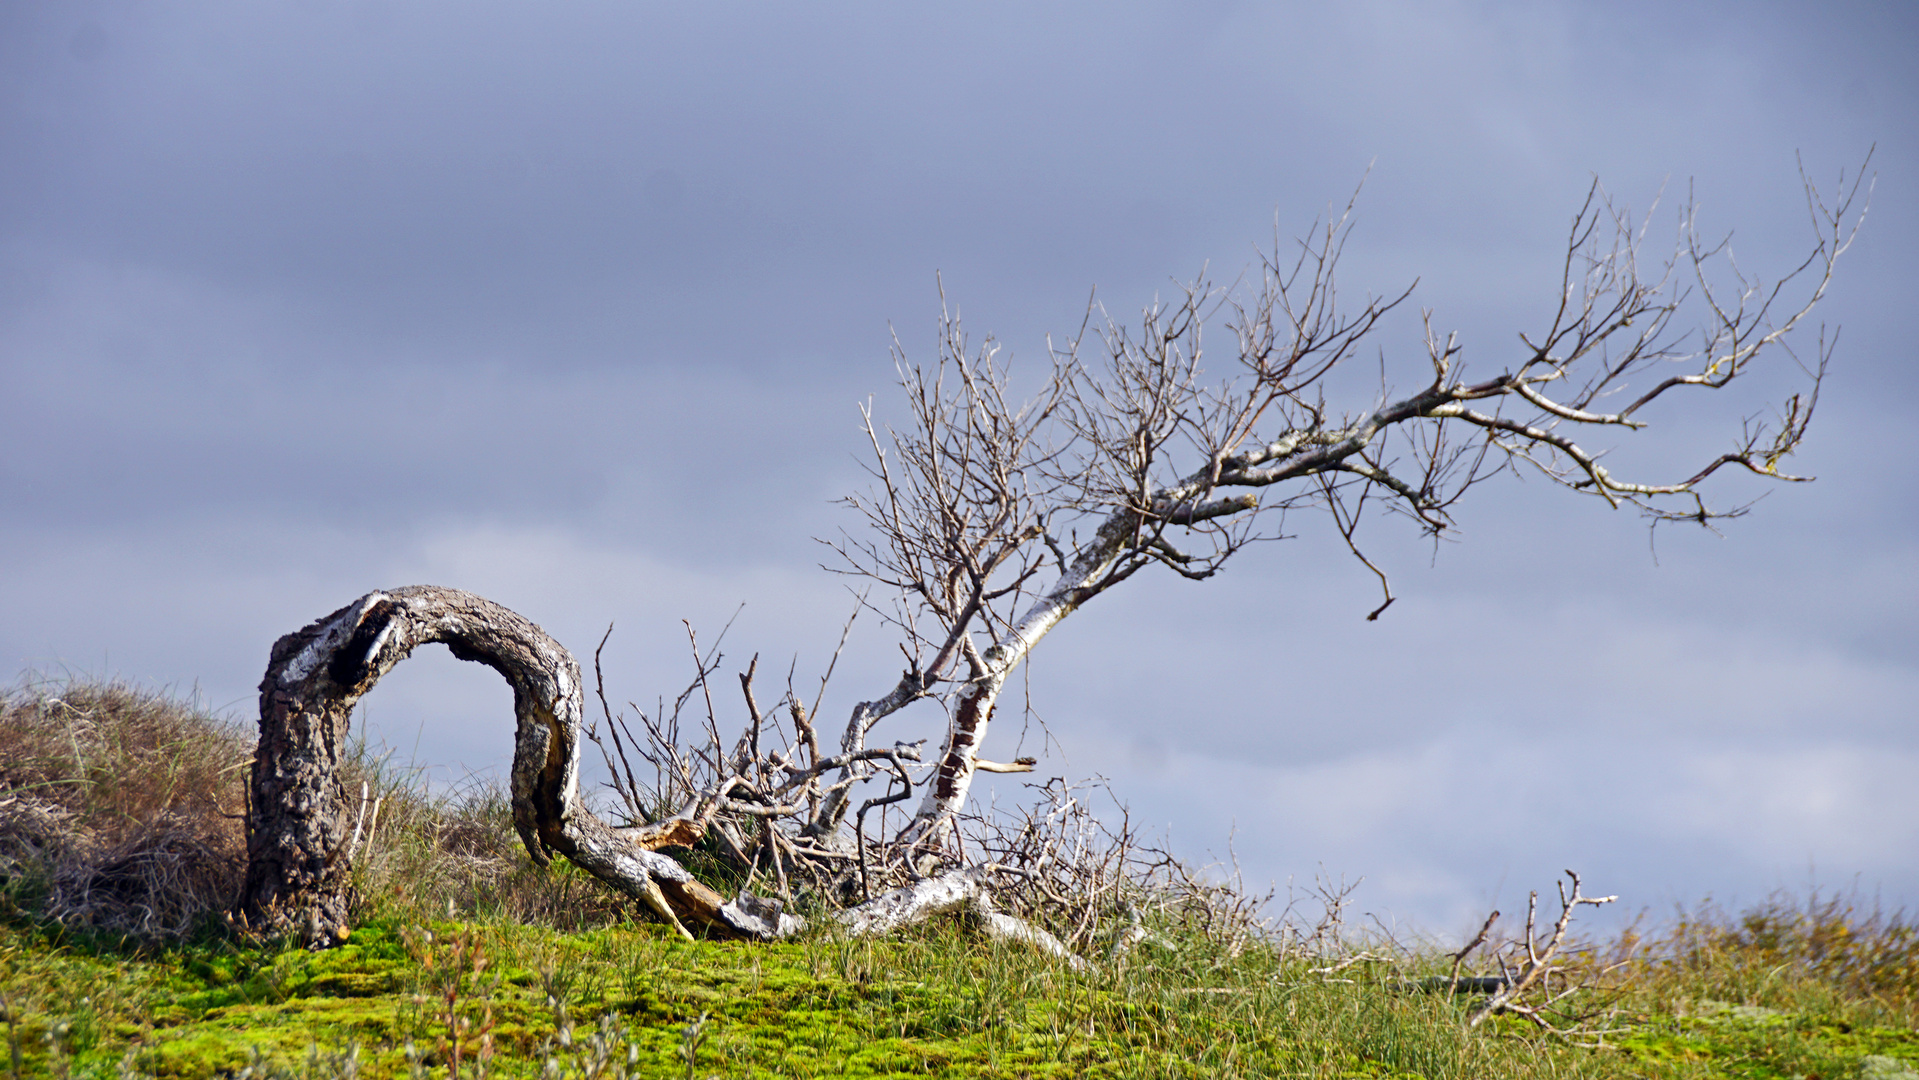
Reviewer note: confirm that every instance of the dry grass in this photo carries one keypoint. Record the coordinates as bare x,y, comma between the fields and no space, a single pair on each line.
121,809
122,812
455,854
1831,954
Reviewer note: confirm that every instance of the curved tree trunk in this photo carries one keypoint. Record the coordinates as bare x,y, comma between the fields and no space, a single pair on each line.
297,819
298,870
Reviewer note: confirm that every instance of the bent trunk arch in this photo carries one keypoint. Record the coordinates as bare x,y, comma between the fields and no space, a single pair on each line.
299,873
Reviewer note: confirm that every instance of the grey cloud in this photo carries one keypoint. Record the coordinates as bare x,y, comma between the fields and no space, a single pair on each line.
573,307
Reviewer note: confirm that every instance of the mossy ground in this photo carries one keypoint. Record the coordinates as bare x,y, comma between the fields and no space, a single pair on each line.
117,840
632,999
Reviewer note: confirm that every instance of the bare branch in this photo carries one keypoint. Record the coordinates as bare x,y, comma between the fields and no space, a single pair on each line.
999,504
1538,961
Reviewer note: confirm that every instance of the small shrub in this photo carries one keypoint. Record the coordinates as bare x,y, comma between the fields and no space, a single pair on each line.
121,809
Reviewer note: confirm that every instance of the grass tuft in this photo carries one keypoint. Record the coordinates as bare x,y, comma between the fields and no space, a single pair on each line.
121,809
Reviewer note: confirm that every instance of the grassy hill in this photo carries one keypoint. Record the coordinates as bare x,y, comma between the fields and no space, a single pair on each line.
118,836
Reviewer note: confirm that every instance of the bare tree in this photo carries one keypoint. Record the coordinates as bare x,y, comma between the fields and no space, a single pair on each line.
995,518
300,849
992,517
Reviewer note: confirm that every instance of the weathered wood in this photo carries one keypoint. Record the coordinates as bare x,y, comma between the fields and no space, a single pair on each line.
960,891
298,820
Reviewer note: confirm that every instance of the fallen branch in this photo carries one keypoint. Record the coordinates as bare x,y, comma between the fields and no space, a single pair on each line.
1538,961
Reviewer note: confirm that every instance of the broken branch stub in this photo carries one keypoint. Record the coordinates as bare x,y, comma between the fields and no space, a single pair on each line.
298,818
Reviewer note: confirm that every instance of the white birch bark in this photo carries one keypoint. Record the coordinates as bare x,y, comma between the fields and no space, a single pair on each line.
973,710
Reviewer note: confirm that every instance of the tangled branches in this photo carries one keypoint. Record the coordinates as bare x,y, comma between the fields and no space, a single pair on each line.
993,517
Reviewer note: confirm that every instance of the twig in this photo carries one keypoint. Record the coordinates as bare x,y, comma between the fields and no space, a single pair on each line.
1452,979
1538,964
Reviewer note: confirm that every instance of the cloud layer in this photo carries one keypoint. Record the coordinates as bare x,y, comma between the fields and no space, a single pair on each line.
574,308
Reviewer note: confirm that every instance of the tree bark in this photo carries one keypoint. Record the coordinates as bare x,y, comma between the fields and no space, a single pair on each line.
959,760
298,873
1090,574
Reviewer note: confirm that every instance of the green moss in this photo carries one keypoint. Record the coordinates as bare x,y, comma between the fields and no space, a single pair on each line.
931,1003
1743,1041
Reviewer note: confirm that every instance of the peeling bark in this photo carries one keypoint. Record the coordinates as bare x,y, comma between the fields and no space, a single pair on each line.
965,732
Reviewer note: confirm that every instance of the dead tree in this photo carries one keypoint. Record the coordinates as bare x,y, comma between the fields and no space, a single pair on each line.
299,846
993,517
298,820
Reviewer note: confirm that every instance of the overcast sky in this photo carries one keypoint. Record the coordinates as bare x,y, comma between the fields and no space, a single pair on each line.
573,306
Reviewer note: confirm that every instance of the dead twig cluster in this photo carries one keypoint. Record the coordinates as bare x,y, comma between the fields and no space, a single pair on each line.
763,804
1072,860
1533,981
756,804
